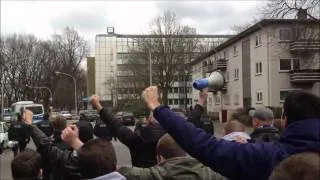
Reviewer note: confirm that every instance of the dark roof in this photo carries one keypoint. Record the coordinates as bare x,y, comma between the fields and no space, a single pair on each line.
159,36
250,30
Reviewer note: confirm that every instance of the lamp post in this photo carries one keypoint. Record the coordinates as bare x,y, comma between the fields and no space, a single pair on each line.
75,88
185,89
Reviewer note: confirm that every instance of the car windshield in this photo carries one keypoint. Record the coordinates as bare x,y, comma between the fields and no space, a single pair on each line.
65,112
35,109
128,114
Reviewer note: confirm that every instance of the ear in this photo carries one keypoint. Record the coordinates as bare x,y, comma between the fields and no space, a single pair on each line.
284,122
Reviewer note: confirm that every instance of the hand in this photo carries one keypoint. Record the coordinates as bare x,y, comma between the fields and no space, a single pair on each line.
151,97
95,101
70,133
27,116
240,139
203,96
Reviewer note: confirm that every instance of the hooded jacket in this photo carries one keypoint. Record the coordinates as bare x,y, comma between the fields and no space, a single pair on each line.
111,176
235,160
143,153
265,134
59,164
174,169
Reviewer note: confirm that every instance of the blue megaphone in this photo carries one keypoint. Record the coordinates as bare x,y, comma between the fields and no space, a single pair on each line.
215,81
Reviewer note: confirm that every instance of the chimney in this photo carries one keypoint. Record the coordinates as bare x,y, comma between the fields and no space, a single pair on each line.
302,14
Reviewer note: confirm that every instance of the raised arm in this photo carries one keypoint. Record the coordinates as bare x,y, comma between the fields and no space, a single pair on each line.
125,135
199,108
230,159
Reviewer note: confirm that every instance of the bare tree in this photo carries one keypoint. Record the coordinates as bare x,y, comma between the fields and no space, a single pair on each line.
170,50
26,60
289,8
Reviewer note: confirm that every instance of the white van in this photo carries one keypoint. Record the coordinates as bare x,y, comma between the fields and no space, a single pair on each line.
37,109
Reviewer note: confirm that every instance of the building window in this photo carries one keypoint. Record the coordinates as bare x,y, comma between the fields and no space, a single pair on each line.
170,90
210,100
176,101
217,100
258,40
235,51
258,68
236,99
226,54
285,34
259,97
181,89
283,95
227,76
175,90
289,64
236,74
181,101
226,99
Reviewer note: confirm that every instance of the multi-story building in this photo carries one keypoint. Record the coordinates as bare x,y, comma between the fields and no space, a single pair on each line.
113,79
90,76
262,64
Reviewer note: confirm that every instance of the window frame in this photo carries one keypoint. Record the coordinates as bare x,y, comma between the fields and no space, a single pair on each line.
292,64
257,40
259,97
236,74
258,68
235,50
285,29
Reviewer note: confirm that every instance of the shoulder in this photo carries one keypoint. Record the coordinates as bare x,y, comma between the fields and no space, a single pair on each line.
135,173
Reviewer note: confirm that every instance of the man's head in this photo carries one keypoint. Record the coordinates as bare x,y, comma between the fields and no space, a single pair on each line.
299,106
262,116
96,158
167,148
85,131
302,166
59,123
26,165
233,126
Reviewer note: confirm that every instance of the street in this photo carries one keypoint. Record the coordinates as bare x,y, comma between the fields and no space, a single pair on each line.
123,155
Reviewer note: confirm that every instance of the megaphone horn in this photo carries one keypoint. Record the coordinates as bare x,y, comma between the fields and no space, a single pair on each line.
215,81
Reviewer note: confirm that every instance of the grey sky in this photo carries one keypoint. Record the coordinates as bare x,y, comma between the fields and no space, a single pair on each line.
92,17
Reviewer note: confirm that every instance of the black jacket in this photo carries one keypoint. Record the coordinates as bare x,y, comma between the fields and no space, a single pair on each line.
18,131
195,119
59,164
45,127
265,134
143,154
58,142
102,131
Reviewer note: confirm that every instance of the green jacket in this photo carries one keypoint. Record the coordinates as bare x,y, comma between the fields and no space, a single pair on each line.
173,169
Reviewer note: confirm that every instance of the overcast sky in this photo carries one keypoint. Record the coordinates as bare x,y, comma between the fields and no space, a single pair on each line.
128,17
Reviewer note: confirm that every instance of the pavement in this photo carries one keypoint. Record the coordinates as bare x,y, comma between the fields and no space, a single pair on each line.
122,152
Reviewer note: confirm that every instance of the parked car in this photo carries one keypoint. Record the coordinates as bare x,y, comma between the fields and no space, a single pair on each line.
89,115
66,114
126,118
7,116
3,135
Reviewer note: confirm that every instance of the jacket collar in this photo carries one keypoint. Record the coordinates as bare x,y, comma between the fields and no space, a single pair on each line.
302,136
111,176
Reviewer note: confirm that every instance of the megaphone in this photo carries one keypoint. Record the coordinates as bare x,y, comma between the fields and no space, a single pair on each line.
215,81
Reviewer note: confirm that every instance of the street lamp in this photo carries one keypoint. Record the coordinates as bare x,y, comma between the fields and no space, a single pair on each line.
75,88
42,87
185,88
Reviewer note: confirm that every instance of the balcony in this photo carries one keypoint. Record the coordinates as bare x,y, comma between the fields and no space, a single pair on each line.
305,46
224,89
208,69
305,76
220,64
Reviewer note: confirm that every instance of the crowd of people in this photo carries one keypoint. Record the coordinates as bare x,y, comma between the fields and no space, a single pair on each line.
169,146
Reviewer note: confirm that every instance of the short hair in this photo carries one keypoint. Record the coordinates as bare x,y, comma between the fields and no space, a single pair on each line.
59,123
233,126
300,105
302,166
263,114
85,130
168,148
26,165
97,157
